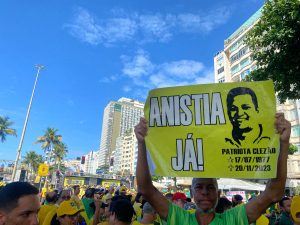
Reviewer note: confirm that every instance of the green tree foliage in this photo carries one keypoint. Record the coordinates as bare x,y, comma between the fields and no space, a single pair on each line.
292,149
32,160
49,140
59,152
296,190
5,128
157,178
275,45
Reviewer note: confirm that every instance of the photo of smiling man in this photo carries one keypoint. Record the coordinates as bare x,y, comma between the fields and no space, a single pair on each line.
243,113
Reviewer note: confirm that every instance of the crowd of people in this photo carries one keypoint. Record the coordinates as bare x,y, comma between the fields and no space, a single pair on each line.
21,203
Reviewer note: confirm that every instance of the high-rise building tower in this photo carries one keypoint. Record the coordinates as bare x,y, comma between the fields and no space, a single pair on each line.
234,62
125,154
119,116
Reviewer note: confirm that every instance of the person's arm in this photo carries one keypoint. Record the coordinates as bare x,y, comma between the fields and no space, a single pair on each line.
97,214
143,177
275,187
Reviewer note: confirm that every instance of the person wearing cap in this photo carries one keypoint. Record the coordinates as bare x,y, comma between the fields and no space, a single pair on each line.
179,199
68,213
205,190
50,218
285,215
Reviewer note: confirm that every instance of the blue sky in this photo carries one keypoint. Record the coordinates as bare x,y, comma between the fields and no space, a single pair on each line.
97,51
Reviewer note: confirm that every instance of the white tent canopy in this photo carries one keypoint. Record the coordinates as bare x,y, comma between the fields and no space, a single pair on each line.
228,183
159,185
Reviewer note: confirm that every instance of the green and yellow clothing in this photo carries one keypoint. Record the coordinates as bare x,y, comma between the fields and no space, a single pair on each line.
49,216
44,210
137,208
89,211
234,216
138,223
77,200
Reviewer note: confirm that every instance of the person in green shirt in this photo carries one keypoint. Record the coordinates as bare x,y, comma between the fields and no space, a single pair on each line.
205,190
285,205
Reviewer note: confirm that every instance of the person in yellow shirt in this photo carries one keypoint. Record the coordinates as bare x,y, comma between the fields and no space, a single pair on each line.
75,196
51,198
43,193
137,205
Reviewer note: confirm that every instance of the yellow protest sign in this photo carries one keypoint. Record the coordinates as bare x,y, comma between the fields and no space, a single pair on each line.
108,183
213,130
37,179
43,170
73,181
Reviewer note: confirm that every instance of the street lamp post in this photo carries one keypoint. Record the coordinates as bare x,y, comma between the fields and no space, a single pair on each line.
39,67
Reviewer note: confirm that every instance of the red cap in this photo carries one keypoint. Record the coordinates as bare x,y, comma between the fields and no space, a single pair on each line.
178,195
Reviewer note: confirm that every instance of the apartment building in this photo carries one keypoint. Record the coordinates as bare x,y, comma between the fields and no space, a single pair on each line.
234,63
125,154
119,117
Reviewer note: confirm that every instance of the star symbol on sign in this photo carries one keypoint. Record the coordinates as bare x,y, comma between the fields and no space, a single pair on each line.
230,160
230,167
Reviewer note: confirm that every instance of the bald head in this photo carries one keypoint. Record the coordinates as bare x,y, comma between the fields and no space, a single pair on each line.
204,180
205,193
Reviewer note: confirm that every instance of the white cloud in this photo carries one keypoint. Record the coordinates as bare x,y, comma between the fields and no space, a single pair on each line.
85,27
127,88
197,23
138,66
155,27
188,68
124,27
88,28
108,79
176,73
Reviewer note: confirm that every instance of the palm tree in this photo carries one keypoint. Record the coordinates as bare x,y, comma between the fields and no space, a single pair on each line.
5,128
32,159
60,150
48,141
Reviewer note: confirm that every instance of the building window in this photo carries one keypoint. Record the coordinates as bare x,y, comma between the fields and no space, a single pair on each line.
235,69
238,55
220,59
293,115
221,70
245,62
221,80
245,73
295,131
